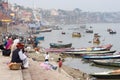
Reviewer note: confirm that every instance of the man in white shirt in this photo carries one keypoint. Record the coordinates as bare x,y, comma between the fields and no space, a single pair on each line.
47,57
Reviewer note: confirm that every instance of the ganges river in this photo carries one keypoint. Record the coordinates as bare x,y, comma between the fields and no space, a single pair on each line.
83,41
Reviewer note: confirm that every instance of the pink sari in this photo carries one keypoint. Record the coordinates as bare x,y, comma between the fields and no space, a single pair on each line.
9,43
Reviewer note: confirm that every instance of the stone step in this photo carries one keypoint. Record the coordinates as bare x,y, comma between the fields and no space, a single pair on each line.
5,72
37,72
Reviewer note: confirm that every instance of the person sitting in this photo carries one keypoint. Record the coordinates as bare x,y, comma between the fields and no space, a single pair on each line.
7,50
13,46
19,57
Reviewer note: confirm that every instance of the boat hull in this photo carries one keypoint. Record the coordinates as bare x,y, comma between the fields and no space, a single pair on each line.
101,57
96,48
106,76
89,52
58,50
106,63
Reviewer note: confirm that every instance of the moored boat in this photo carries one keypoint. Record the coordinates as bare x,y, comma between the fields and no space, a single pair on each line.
112,63
40,38
58,50
88,52
93,48
114,74
46,30
96,40
96,35
90,57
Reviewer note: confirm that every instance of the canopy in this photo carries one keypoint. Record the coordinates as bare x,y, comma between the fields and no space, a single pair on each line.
4,17
6,20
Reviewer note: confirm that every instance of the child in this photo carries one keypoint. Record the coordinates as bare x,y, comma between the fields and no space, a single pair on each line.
47,57
59,64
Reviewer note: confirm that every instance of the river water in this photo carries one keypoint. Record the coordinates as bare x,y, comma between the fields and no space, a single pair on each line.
83,41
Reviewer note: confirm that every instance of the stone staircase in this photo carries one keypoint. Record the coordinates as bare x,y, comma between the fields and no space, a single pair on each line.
6,73
34,72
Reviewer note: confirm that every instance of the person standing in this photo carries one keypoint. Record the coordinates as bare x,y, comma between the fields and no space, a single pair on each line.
47,57
35,42
59,64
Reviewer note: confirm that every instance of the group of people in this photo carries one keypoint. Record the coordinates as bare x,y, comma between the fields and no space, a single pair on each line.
59,61
14,48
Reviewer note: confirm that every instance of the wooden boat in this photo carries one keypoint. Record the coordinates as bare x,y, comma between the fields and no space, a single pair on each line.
88,52
112,32
90,57
112,63
93,48
60,45
105,54
96,35
89,31
63,33
76,34
58,50
96,40
40,38
46,30
114,74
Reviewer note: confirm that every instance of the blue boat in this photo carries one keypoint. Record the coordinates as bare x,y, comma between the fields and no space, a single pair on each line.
89,57
40,38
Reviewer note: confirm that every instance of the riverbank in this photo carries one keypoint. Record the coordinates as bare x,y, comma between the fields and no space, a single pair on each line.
75,73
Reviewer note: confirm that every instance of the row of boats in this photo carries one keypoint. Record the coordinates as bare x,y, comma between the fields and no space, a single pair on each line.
98,55
89,50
